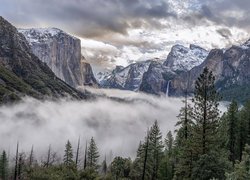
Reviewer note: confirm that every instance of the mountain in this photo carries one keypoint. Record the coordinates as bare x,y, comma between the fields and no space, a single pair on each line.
182,58
62,53
152,76
231,68
155,79
22,73
126,78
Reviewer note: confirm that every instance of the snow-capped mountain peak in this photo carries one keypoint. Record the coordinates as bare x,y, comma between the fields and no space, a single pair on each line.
183,58
129,77
36,35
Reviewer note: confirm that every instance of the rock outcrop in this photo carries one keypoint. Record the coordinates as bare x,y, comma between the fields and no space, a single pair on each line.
155,80
62,53
22,73
126,78
231,68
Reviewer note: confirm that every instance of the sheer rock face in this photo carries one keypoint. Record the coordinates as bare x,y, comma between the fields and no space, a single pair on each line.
152,76
127,78
155,80
62,53
22,73
231,68
87,76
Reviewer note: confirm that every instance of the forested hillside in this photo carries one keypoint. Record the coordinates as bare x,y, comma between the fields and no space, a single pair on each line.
206,145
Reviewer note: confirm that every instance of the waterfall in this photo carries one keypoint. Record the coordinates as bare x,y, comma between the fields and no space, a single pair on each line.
167,90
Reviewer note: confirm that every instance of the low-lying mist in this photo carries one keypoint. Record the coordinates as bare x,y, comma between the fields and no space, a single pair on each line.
117,126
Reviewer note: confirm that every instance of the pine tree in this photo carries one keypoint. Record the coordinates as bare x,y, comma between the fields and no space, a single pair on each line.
145,150
169,158
137,166
244,128
232,128
3,166
68,154
20,166
149,155
242,168
31,158
77,152
184,143
156,148
169,142
104,166
85,156
205,113
185,121
16,163
93,155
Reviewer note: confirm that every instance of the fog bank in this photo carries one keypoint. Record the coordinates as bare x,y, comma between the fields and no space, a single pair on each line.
117,126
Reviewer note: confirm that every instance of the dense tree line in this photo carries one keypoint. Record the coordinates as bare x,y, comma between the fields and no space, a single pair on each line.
206,145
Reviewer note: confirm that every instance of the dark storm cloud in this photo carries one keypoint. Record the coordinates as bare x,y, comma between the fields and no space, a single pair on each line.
224,32
226,12
86,18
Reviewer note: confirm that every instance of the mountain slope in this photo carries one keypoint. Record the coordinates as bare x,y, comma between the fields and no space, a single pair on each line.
231,68
127,78
62,53
22,73
182,58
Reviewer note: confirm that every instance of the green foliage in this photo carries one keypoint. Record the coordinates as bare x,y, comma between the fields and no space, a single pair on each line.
120,167
88,174
3,166
242,169
68,155
55,172
209,166
205,113
93,155
232,130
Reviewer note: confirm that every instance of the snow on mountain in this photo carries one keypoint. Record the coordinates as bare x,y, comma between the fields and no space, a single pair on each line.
128,78
246,45
36,35
62,53
182,58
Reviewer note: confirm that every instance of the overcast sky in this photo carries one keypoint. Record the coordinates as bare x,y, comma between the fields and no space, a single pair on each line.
123,31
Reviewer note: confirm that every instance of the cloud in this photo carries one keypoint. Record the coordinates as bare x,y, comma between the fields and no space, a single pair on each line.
40,123
227,12
137,29
87,18
224,32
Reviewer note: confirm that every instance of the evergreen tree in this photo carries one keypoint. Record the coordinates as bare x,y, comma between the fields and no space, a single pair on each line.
169,141
242,168
68,154
85,157
167,165
16,162
3,166
137,166
93,155
31,158
104,166
185,121
77,152
155,148
20,166
120,167
244,128
145,150
205,113
232,130
184,165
